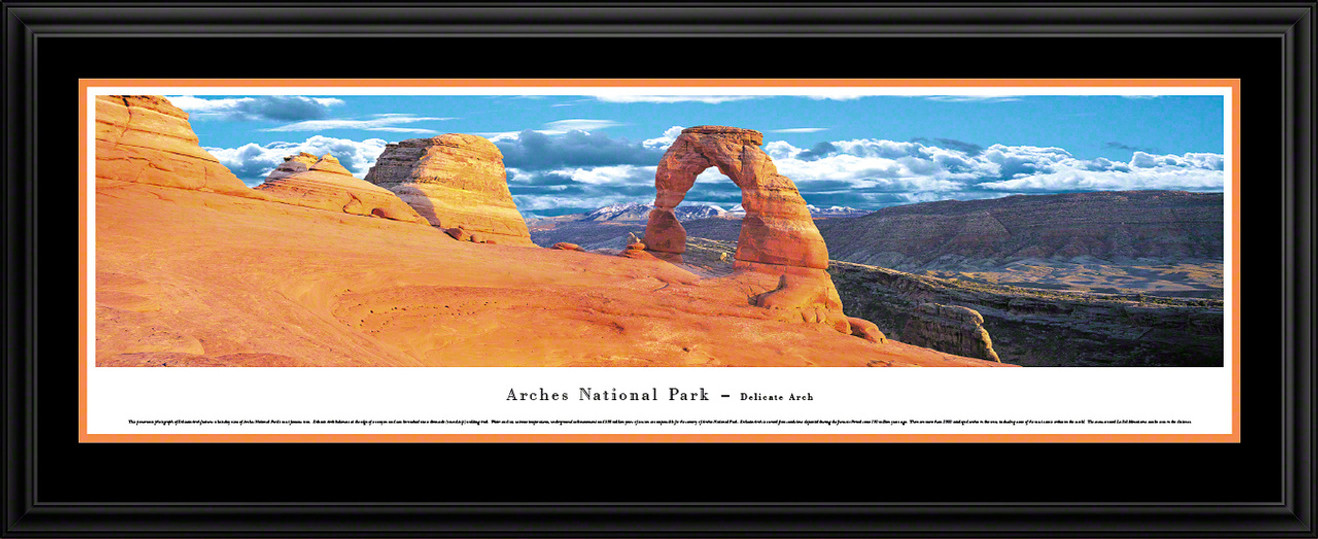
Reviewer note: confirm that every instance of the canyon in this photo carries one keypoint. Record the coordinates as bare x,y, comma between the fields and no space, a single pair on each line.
1031,327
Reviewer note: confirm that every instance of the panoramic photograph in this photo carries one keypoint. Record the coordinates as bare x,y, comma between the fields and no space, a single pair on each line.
626,227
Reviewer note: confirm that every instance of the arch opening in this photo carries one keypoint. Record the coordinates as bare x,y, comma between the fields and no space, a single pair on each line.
780,257
777,228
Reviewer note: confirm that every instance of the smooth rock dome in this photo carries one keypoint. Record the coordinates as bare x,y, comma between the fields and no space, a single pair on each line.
324,183
453,180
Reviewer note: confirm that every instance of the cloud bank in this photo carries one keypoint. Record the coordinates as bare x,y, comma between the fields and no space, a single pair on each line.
576,170
380,122
588,170
282,108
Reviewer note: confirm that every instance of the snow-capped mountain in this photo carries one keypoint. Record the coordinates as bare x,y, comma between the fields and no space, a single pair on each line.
639,212
835,211
631,211
815,211
688,212
636,211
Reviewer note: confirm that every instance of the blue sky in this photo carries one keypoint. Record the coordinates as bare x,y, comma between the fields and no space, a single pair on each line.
570,153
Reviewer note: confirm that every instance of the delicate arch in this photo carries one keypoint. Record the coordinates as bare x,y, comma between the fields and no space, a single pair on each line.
777,228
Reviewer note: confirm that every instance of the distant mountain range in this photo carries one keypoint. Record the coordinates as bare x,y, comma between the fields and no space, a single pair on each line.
609,226
640,212
1166,243
636,211
835,211
1109,225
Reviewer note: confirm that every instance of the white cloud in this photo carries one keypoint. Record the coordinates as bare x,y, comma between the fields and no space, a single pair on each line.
561,126
1072,179
381,122
202,105
973,98
867,173
253,162
198,105
1056,170
838,97
663,141
922,171
872,173
709,99
499,136
611,175
779,150
268,107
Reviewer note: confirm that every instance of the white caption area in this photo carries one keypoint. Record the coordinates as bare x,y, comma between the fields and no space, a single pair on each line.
842,400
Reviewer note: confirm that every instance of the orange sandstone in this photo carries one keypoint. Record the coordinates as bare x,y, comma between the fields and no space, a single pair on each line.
286,285
188,274
323,183
781,258
146,139
453,180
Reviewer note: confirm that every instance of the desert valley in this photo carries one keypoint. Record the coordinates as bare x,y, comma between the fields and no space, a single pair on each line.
427,261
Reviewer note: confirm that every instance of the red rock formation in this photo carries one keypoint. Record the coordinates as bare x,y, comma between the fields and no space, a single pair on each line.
780,256
453,180
146,139
637,254
332,290
325,184
866,330
458,233
777,228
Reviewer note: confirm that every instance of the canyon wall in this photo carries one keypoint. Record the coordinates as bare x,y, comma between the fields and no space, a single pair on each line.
949,328
1109,225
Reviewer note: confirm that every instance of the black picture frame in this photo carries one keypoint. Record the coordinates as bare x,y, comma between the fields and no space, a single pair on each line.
54,486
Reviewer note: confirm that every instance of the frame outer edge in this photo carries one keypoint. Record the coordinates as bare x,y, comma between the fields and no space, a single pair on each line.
710,18
18,38
1296,520
1301,497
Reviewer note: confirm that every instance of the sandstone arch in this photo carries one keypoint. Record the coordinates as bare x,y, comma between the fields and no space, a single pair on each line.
777,228
781,257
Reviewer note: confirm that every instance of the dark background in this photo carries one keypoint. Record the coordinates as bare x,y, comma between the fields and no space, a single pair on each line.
67,471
